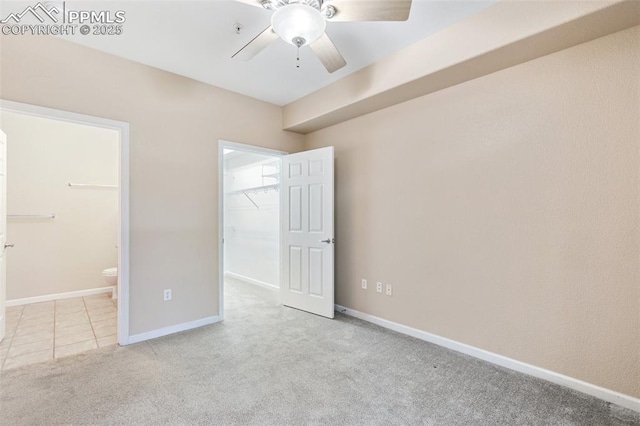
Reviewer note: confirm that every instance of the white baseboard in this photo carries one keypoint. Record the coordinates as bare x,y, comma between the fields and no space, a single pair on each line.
136,338
58,296
251,280
512,364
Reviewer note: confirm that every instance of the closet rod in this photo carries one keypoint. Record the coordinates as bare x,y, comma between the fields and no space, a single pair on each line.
31,216
89,185
255,189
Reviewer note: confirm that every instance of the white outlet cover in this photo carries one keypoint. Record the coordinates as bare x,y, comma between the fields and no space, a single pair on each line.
379,287
364,284
389,290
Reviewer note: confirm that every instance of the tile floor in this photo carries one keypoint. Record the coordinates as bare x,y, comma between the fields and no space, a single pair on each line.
43,331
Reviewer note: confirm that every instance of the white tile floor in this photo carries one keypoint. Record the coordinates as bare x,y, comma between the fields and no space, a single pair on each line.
43,331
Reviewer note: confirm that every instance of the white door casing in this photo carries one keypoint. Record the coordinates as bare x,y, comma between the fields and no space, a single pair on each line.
307,222
3,233
123,227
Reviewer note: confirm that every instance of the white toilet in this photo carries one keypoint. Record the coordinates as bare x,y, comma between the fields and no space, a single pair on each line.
111,277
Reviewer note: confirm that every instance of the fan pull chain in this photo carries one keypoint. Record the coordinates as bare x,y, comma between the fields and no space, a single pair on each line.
298,41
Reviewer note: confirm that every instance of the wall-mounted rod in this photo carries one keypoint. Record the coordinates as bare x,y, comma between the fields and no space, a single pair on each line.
255,189
31,216
89,185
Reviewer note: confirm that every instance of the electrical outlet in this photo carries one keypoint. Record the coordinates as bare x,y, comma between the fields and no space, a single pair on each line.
364,284
389,290
379,287
167,295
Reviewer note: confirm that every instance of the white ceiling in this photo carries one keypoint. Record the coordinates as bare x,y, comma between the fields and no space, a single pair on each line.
197,38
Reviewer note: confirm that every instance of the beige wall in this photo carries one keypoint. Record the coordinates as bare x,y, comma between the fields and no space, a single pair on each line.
175,126
505,212
72,250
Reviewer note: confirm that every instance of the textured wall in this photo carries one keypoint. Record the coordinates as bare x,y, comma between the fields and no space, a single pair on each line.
175,126
505,212
71,250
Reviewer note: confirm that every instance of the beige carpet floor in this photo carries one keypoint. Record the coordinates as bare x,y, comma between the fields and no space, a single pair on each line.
271,365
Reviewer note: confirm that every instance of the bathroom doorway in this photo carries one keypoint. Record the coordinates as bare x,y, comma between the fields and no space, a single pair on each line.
250,223
67,211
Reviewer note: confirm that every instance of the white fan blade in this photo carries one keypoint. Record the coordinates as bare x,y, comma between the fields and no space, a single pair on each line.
251,2
328,53
256,45
371,10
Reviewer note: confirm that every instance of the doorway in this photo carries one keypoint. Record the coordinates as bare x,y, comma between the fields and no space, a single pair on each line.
276,222
250,221
90,189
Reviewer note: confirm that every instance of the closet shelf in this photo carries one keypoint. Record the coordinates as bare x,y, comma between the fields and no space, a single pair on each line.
271,171
31,216
255,190
91,185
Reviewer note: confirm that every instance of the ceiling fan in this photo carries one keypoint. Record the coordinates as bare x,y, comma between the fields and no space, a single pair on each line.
303,22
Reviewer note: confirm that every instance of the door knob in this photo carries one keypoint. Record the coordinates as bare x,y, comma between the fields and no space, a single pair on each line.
328,241
9,245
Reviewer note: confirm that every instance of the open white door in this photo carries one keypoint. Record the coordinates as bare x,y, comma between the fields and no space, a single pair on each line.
3,233
307,244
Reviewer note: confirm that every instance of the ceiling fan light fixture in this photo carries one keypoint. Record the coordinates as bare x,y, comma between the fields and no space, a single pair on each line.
298,24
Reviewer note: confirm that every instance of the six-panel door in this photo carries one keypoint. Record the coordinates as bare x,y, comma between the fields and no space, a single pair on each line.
307,275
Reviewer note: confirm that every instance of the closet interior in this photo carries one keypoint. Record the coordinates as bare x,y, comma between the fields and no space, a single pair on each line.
252,217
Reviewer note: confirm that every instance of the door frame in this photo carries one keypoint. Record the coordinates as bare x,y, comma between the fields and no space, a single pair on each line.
222,145
123,191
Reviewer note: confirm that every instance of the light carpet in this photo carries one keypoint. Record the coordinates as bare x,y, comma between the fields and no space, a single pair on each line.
271,365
